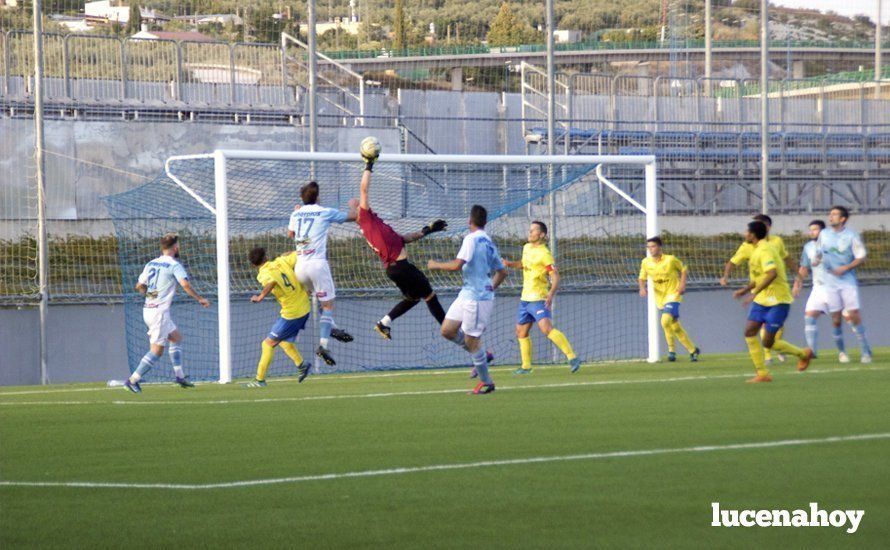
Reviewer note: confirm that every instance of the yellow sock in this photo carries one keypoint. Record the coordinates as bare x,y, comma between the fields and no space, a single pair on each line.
682,336
562,343
667,322
782,346
525,351
292,352
756,351
766,352
265,361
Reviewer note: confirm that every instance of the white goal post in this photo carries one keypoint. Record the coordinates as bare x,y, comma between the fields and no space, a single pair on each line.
217,206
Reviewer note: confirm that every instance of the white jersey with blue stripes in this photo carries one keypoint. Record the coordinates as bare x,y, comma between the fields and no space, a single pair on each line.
481,258
839,248
310,224
160,277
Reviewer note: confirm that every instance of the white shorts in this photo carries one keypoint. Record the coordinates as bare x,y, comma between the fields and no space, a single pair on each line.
849,297
315,276
473,315
159,324
823,300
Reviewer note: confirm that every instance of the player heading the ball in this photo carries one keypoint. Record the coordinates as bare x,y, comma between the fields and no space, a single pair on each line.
309,225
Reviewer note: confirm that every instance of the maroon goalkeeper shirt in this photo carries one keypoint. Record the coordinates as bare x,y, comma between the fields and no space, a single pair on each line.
380,236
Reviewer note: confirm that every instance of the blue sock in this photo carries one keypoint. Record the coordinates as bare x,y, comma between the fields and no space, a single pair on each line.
176,359
839,339
148,361
325,325
811,331
480,361
859,331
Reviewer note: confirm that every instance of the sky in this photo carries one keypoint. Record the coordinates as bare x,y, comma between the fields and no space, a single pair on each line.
843,7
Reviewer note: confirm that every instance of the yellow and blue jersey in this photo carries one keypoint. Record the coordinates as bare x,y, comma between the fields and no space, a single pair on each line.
287,290
665,274
537,263
764,259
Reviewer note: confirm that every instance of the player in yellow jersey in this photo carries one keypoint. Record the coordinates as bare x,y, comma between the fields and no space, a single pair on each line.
668,276
278,278
771,297
536,302
743,255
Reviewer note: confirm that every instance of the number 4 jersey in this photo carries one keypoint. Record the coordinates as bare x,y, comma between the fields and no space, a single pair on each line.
160,277
288,291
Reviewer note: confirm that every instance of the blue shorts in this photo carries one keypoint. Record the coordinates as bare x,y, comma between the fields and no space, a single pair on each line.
772,317
287,329
530,312
672,309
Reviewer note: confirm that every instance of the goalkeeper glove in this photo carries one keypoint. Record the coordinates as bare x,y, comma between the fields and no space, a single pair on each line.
438,225
369,164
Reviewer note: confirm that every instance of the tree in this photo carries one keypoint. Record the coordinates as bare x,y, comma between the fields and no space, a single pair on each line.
399,32
134,23
506,29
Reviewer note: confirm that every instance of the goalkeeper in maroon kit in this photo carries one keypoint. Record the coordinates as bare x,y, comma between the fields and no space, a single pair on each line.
390,246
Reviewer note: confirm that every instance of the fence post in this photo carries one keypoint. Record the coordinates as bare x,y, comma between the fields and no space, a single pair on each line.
66,66
285,95
655,88
6,62
123,50
179,87
232,67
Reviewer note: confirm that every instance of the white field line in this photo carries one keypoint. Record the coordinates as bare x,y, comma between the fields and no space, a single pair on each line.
330,377
422,392
455,466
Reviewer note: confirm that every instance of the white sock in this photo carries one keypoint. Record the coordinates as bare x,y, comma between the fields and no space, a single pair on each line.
178,372
323,342
135,377
386,321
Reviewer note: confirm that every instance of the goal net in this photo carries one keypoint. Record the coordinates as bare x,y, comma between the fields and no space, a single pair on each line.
226,203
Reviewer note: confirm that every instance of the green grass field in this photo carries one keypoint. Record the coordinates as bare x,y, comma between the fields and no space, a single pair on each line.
617,455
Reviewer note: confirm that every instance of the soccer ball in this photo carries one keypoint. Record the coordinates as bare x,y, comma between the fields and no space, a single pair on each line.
370,148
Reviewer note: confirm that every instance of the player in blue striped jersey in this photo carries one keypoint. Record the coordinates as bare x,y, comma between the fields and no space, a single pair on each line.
468,315
157,283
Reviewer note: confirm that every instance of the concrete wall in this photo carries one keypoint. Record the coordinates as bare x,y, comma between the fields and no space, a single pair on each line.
88,343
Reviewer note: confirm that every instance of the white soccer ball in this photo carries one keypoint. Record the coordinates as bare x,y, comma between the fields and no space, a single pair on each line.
370,148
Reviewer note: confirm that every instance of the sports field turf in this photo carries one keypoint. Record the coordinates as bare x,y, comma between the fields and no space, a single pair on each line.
618,455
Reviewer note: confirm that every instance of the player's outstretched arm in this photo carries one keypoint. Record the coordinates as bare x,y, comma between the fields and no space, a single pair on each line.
432,227
187,287
266,290
364,200
453,265
517,264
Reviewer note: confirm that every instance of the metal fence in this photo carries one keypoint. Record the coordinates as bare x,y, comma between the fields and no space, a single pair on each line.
104,69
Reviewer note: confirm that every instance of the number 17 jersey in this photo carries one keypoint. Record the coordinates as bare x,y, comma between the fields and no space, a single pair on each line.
310,225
